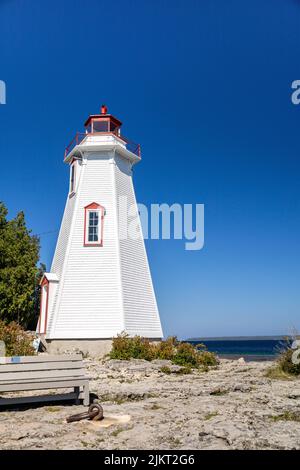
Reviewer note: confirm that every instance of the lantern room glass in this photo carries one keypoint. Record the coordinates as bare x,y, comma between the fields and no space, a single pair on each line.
99,125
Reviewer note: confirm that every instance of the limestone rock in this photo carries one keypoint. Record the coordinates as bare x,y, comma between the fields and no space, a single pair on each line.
228,407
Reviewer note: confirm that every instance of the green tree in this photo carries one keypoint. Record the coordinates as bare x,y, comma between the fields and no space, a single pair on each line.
19,272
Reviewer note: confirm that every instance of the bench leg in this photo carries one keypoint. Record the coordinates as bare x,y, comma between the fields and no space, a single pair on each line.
77,391
86,394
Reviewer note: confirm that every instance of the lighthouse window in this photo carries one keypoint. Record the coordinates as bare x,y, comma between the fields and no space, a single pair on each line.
72,179
93,226
100,126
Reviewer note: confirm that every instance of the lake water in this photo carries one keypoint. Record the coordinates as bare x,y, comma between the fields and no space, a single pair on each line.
250,349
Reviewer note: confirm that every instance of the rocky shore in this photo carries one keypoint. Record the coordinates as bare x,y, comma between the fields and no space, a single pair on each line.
233,406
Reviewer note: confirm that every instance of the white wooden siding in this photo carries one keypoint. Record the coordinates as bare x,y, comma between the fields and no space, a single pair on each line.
101,290
89,304
140,308
61,246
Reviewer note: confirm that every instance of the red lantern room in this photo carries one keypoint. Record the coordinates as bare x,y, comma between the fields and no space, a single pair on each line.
101,129
103,122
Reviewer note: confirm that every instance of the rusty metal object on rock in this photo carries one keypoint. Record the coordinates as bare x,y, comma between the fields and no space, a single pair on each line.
94,413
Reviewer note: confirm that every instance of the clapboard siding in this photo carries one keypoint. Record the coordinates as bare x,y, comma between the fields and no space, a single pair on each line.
63,237
89,304
62,245
140,308
101,290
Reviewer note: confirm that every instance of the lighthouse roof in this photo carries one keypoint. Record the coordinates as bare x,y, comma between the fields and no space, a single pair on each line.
50,277
103,130
104,117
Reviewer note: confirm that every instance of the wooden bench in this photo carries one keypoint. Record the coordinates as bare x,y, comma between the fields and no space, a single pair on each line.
43,372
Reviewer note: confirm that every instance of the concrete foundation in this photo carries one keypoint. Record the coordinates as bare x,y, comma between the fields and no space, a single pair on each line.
88,347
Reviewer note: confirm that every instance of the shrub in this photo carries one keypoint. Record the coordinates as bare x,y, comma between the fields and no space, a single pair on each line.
165,349
141,348
17,341
124,347
186,355
120,347
285,363
207,358
189,356
284,368
180,353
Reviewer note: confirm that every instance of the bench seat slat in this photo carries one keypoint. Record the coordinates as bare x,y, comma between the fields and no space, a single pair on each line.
43,385
40,366
43,372
40,374
47,379
42,358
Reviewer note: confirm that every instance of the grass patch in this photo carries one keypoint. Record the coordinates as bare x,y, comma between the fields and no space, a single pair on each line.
218,392
210,415
119,399
166,370
155,406
84,444
286,416
174,441
182,371
286,365
180,353
53,409
276,373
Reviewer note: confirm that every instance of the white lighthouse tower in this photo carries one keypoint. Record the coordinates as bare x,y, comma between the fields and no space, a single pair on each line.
99,283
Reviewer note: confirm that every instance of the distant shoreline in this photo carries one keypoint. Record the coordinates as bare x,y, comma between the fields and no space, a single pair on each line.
240,338
251,348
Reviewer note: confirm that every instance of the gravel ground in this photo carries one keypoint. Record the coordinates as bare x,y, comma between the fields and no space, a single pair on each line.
233,406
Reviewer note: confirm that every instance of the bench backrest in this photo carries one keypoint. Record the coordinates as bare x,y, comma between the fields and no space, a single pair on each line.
40,367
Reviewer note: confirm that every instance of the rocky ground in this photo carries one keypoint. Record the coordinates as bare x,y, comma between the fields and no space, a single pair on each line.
231,407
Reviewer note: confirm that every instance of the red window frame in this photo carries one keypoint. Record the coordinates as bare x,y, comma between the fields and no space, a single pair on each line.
44,283
72,187
93,207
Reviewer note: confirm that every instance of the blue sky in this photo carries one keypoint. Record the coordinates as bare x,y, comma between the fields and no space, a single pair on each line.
205,88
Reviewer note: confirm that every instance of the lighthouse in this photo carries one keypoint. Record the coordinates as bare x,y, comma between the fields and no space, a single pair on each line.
100,283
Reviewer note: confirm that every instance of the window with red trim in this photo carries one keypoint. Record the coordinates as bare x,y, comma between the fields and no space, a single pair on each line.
43,318
72,178
93,225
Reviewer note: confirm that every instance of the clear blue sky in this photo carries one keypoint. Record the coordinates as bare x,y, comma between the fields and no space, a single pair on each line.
205,88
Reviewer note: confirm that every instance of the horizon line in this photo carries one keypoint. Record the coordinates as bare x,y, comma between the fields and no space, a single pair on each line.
236,338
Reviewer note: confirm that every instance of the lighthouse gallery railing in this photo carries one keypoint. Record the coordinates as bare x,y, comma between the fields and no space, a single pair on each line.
80,136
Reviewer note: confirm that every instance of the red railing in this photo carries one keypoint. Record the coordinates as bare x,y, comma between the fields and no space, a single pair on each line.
80,136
